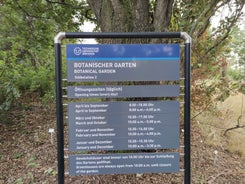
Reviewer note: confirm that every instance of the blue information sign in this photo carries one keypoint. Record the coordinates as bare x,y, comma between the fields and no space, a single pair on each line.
123,91
124,163
123,125
127,125
123,62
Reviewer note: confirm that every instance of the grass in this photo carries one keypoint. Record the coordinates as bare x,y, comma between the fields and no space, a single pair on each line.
215,123
236,142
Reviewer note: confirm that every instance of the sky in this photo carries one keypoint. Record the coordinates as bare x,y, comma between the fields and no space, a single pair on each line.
222,13
88,27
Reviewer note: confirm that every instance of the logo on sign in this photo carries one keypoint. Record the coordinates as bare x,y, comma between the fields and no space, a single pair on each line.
77,51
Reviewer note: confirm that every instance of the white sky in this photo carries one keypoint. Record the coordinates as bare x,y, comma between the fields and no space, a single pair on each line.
222,13
88,27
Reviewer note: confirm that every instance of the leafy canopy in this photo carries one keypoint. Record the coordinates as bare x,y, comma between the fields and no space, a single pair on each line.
28,28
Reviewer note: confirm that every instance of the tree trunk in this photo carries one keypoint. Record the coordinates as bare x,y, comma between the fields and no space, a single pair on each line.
131,15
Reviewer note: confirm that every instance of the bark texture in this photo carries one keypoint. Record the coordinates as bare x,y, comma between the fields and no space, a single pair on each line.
132,15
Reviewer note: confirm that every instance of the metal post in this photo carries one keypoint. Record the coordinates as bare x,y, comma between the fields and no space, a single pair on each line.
123,35
187,108
59,109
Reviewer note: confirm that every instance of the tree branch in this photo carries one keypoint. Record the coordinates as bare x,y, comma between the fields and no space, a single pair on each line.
228,29
207,12
141,16
96,7
162,14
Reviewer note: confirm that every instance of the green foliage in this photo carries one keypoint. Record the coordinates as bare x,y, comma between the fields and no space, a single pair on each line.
236,70
236,77
8,94
17,155
29,177
21,78
26,50
28,28
235,74
31,162
8,89
19,181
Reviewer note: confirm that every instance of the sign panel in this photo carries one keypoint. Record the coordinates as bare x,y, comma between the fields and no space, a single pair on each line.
123,125
123,91
124,163
105,63
123,62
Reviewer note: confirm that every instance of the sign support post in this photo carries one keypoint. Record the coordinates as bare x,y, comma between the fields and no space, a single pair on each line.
187,108
59,103
59,108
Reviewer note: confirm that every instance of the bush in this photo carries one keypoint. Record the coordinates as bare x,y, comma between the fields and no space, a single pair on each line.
8,94
24,78
235,74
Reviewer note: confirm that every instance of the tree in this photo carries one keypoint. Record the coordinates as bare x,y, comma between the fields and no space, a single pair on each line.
236,60
191,16
132,16
28,28
237,45
26,51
